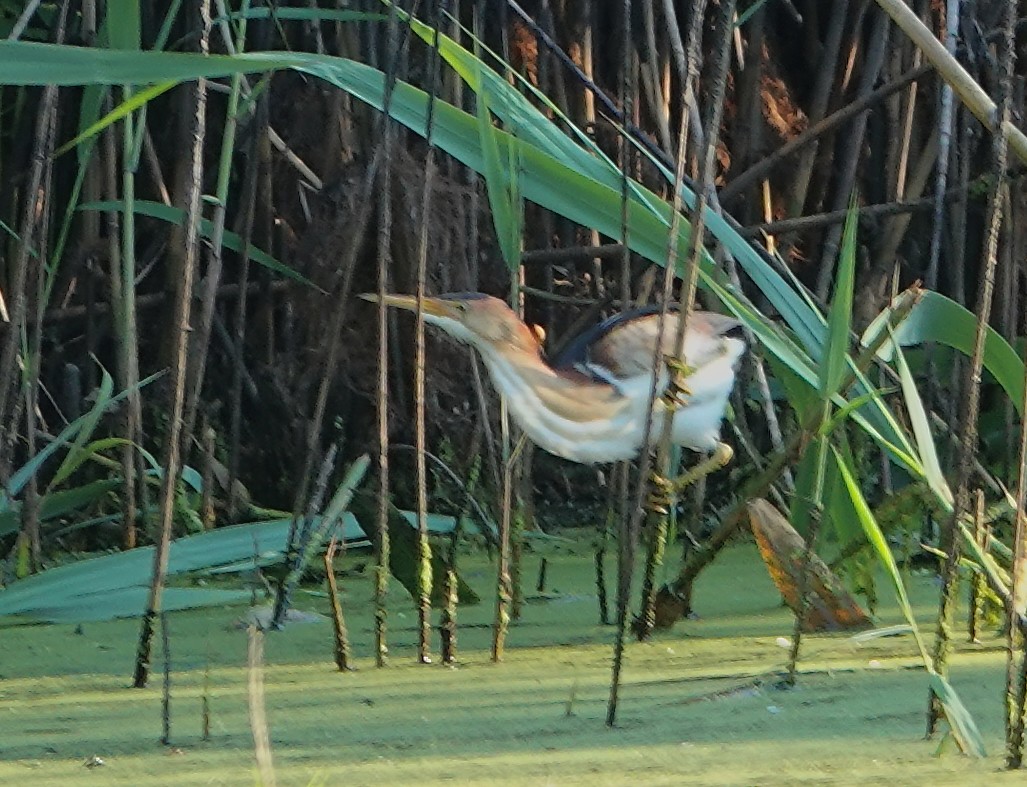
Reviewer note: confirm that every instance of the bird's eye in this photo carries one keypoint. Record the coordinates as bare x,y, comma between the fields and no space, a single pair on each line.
461,306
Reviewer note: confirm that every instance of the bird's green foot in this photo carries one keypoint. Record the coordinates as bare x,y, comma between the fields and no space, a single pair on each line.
664,491
677,392
661,493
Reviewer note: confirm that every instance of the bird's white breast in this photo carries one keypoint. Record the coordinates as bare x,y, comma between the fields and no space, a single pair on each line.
595,429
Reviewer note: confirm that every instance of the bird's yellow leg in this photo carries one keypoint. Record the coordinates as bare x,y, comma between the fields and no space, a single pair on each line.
665,490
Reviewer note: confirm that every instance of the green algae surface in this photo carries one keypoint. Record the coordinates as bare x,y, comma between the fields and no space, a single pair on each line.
700,704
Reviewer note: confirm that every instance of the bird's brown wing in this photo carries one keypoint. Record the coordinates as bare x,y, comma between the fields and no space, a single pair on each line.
622,346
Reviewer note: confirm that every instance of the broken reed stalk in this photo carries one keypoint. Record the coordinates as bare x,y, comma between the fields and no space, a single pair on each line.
977,583
205,702
257,708
997,207
207,497
813,516
1016,606
200,339
341,650
165,702
656,527
179,343
300,540
501,618
448,622
383,257
517,546
627,531
424,563
603,541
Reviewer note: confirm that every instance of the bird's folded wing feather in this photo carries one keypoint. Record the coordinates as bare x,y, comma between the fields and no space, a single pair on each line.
622,347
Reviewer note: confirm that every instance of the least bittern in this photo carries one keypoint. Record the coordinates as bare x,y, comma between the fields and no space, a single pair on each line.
589,403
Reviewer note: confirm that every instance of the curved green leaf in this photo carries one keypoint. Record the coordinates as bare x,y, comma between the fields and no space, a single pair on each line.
839,319
936,318
173,215
961,722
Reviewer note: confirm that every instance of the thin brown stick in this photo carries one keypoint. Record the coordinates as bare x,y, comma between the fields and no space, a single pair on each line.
36,234
207,497
817,131
16,297
257,708
819,220
969,91
977,583
341,651
627,532
972,382
165,703
383,259
1016,609
180,337
606,251
850,155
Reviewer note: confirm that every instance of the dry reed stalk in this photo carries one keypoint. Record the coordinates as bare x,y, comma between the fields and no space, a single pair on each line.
257,707
972,382
179,343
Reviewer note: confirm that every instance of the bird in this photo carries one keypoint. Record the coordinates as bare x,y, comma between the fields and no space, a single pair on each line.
588,404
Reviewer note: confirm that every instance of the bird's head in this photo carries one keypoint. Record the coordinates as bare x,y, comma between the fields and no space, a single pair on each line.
471,317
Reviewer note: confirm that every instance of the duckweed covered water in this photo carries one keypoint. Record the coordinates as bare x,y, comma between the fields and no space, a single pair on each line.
700,704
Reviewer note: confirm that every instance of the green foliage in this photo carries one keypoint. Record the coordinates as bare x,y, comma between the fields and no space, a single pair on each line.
502,179
173,215
936,318
839,320
56,503
859,572
60,503
543,164
314,533
103,588
961,722
922,432
404,561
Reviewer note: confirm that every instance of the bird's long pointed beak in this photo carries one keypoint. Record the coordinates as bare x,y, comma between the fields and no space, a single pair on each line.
437,307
